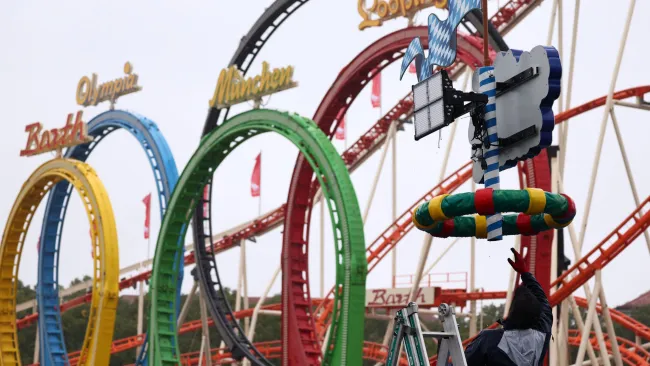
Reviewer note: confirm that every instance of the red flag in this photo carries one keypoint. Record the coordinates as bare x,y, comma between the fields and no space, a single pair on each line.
256,177
340,130
412,69
375,98
147,203
206,196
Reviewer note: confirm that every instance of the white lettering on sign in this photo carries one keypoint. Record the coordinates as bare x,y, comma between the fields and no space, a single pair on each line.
389,297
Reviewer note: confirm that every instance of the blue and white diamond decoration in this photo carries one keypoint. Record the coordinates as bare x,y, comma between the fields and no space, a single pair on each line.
442,40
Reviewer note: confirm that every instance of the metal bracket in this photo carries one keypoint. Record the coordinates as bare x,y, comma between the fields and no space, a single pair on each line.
517,80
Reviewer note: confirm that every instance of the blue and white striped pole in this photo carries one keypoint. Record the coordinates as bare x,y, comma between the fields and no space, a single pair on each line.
488,86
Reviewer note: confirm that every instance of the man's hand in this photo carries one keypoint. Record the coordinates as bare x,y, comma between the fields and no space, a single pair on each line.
519,264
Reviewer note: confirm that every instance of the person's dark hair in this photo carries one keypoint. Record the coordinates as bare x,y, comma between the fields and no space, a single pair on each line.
524,311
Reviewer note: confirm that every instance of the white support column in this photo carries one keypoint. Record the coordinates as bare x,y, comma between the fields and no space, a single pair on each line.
586,331
205,336
569,89
603,124
564,334
37,343
394,203
554,343
608,322
472,278
576,251
258,309
581,326
242,261
186,305
511,280
260,302
373,188
628,170
444,252
551,24
140,314
322,247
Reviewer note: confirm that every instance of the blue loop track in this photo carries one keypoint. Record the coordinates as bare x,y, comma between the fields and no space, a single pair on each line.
53,350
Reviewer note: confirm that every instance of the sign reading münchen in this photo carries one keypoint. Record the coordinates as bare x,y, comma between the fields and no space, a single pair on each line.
232,88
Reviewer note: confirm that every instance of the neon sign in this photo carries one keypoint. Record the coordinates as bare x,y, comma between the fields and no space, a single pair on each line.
390,9
88,93
232,88
40,141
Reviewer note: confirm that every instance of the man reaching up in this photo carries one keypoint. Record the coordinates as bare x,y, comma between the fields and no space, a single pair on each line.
526,332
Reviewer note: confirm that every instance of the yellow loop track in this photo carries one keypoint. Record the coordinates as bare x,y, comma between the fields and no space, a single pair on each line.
103,306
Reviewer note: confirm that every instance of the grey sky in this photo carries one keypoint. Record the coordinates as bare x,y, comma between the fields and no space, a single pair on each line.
178,51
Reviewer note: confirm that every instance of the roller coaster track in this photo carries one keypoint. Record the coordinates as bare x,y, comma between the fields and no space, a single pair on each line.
456,296
104,297
387,240
215,147
631,353
337,100
342,93
254,41
165,174
249,47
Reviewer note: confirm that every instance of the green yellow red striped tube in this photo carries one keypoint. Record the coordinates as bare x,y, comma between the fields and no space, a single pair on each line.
443,216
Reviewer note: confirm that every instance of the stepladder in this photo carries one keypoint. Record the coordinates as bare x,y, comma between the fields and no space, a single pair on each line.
407,331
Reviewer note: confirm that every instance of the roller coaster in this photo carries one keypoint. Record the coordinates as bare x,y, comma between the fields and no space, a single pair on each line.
314,331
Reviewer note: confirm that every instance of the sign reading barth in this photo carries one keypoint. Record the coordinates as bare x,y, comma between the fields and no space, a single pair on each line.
398,297
232,88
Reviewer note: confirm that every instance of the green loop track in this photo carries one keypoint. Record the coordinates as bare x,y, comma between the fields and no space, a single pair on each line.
337,189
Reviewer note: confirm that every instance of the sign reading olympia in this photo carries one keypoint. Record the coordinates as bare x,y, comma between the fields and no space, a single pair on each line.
40,141
233,89
88,93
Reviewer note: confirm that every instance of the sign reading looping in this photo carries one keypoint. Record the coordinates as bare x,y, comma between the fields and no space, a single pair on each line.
390,9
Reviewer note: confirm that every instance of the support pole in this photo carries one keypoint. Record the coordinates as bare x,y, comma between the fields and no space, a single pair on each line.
608,322
140,313
186,305
373,189
576,251
205,336
435,262
581,326
554,343
260,302
37,343
394,203
586,331
569,90
487,86
322,247
628,170
472,278
258,309
511,280
603,124
551,24
563,334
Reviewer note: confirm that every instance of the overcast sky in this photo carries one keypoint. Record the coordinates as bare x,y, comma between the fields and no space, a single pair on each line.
178,50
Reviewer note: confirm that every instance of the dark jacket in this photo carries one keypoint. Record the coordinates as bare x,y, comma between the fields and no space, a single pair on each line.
510,347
